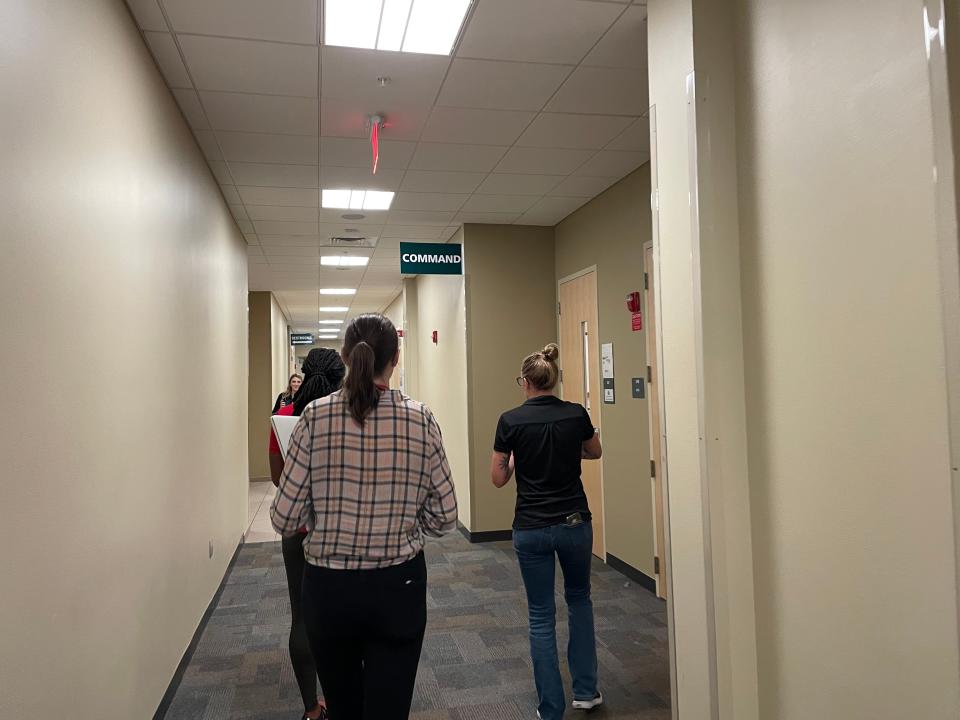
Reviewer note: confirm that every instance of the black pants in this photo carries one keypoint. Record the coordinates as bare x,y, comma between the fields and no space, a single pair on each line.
304,668
366,629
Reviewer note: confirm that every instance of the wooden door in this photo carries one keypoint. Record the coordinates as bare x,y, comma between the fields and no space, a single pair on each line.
580,363
653,402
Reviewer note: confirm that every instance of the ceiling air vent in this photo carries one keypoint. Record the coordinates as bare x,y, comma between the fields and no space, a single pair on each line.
352,241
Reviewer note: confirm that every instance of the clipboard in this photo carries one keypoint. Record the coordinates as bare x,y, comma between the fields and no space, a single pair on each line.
283,426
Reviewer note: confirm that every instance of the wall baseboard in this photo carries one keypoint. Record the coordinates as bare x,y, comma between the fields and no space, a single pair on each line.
485,536
174,685
265,478
638,576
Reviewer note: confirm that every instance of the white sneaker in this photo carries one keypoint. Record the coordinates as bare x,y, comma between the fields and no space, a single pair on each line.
588,704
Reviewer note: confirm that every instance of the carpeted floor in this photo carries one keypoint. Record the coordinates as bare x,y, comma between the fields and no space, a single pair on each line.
475,663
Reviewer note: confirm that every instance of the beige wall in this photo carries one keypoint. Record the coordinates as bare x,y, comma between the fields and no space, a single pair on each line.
279,347
443,372
511,312
259,383
269,363
395,311
609,233
849,458
123,283
670,27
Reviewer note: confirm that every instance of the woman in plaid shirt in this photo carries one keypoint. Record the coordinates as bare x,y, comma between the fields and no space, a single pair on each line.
367,475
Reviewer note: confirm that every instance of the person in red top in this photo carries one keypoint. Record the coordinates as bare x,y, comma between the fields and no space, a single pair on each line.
323,372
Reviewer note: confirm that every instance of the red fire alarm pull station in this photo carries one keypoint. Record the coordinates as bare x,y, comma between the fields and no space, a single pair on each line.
636,312
434,337
399,333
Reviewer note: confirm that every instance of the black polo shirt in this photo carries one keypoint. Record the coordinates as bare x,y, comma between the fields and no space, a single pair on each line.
546,437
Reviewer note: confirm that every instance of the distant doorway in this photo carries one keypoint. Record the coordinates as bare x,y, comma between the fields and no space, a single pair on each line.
580,376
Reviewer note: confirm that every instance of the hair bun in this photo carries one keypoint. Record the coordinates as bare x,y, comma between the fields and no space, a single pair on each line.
551,352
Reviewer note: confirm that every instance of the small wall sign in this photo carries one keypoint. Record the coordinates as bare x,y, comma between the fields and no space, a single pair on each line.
431,259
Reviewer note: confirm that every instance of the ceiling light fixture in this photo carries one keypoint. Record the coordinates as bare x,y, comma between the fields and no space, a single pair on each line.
357,199
417,26
337,291
344,260
333,308
331,322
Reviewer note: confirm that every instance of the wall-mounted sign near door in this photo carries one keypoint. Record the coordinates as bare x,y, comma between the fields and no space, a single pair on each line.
431,259
301,339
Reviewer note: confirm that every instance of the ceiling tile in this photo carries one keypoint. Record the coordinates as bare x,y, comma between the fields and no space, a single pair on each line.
301,197
190,107
489,218
459,158
349,152
499,203
238,212
421,217
635,137
147,14
250,238
370,224
550,31
625,44
517,184
359,178
438,182
428,201
542,161
278,212
231,195
245,112
251,66
588,187
245,226
609,163
553,130
602,91
221,172
165,52
480,127
341,118
288,240
288,251
501,85
295,23
412,232
208,144
351,75
550,210
263,148
276,227
276,175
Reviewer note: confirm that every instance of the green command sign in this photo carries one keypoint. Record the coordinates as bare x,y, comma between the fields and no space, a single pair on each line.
431,259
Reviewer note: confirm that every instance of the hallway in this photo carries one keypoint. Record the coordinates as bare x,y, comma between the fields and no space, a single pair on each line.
475,663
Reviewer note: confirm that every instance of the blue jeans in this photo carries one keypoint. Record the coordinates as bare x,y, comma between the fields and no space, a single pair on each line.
535,552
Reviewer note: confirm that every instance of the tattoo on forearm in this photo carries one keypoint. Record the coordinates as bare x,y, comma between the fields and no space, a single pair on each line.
504,462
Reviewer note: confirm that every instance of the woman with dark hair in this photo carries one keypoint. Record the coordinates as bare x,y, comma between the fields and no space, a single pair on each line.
286,397
368,476
544,441
323,372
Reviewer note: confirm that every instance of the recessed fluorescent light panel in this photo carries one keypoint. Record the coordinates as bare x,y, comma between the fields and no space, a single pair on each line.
357,199
337,291
331,322
333,308
415,26
344,260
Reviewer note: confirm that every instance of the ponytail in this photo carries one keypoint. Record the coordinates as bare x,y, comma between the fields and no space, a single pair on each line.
361,393
370,344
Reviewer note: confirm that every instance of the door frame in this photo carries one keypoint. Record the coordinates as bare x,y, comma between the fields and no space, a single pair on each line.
598,417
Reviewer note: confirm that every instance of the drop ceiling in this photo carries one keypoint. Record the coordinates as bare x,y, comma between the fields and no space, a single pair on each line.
541,107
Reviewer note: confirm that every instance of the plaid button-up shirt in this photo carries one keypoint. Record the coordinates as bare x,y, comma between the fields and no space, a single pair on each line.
367,495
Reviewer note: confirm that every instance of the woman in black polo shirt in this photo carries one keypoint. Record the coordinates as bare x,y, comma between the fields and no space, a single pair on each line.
544,441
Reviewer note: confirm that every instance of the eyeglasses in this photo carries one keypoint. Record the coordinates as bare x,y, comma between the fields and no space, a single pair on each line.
520,380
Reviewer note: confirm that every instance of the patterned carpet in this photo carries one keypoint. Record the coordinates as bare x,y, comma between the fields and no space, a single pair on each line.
475,663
